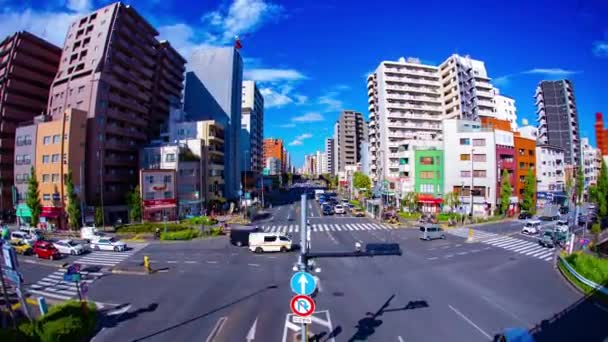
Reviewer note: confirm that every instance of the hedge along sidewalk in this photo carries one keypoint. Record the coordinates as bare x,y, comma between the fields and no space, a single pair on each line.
588,267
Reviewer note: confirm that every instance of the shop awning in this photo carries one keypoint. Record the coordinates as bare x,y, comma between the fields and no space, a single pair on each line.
160,207
429,199
51,212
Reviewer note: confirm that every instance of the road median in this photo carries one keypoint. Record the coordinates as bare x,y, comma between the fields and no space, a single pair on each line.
578,267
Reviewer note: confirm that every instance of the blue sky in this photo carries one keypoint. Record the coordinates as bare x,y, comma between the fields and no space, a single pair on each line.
310,57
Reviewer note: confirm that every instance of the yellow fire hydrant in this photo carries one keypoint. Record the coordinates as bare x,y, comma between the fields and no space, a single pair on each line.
147,263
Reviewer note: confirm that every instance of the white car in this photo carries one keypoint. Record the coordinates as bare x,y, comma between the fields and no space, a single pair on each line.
531,227
108,244
339,209
69,247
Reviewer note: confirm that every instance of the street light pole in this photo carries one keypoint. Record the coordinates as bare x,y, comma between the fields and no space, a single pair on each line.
472,181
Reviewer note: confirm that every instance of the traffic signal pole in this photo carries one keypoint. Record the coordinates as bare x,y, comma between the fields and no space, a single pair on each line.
302,263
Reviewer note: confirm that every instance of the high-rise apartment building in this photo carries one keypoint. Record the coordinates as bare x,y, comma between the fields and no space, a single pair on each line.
601,134
466,88
505,109
405,107
27,67
329,155
273,148
588,162
558,118
113,68
352,131
252,128
214,89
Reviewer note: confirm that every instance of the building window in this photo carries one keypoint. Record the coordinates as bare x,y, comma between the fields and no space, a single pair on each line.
426,161
46,140
479,157
46,178
168,194
149,195
56,138
55,158
427,174
45,159
427,188
55,177
404,161
149,179
465,141
167,179
479,142
465,173
479,173
465,156
46,197
170,157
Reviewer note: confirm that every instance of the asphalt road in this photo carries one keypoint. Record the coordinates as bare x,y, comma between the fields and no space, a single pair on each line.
441,290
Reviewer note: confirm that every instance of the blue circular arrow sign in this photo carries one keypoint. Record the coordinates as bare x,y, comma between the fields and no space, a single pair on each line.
303,283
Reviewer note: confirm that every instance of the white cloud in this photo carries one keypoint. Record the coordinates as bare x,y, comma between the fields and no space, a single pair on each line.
273,75
288,125
502,81
79,6
51,26
275,98
330,102
242,17
600,48
554,72
301,99
299,140
309,117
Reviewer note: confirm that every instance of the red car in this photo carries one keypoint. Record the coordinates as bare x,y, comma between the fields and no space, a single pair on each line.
45,250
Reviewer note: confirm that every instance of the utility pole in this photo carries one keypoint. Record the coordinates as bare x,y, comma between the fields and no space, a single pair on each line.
81,193
472,180
303,262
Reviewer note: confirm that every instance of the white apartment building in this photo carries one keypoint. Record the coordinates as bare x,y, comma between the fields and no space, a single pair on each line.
320,159
528,131
505,108
589,162
274,166
466,88
329,156
405,108
252,128
550,173
470,162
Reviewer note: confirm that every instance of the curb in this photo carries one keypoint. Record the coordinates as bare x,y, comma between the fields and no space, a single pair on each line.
114,271
42,263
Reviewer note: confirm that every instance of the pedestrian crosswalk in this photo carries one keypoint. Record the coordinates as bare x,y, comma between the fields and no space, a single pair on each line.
109,258
294,228
54,287
524,247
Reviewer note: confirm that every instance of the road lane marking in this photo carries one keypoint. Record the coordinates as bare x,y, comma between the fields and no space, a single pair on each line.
517,245
433,258
190,262
444,247
171,262
254,265
485,249
211,262
449,255
216,329
399,339
470,322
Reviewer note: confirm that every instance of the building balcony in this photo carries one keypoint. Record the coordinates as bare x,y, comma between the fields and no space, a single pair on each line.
127,102
414,126
420,98
126,117
407,89
484,94
123,131
119,161
485,103
119,145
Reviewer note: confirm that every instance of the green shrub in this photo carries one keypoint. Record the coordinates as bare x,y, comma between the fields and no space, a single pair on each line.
204,220
589,266
14,335
355,203
411,216
215,231
150,227
444,217
187,234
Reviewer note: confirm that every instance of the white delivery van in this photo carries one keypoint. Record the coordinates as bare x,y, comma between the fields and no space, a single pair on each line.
269,242
90,233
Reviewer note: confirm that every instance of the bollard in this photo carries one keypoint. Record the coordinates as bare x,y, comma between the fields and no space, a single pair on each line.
470,237
147,263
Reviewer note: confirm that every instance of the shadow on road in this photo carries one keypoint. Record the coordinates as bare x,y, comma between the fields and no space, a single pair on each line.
584,320
112,321
193,319
367,326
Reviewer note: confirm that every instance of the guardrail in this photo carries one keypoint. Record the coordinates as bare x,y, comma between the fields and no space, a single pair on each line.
582,279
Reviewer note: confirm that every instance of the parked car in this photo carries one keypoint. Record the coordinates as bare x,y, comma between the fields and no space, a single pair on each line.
23,236
562,225
22,247
339,209
327,210
45,250
532,227
564,210
269,242
69,247
35,233
524,216
356,212
108,244
90,233
239,235
547,239
431,231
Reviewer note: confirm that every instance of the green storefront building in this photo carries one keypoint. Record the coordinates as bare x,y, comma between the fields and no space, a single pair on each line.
429,179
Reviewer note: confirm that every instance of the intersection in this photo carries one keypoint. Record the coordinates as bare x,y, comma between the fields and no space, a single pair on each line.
436,291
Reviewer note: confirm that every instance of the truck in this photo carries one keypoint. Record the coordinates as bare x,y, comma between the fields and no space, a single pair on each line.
318,192
90,233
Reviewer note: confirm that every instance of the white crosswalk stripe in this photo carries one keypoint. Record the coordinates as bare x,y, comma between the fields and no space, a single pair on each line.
517,245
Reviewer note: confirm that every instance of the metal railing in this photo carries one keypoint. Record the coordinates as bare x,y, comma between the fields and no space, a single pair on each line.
582,279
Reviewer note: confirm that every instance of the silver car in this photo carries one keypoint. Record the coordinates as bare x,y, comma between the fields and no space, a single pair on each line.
431,231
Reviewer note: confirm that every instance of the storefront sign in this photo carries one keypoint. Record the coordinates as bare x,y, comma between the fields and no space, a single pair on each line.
159,202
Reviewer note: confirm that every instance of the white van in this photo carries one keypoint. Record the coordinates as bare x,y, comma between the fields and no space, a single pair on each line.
532,227
431,231
269,242
90,234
